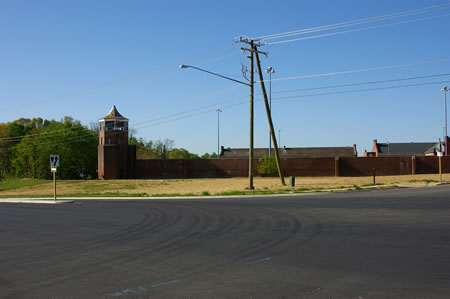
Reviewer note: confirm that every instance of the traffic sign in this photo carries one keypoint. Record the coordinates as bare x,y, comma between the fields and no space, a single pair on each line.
54,160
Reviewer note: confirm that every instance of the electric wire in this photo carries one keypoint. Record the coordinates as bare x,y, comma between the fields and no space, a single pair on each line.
361,83
356,30
354,22
133,76
39,135
136,125
81,138
361,90
361,70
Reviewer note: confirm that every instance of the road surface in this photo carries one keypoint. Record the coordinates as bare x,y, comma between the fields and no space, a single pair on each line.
369,244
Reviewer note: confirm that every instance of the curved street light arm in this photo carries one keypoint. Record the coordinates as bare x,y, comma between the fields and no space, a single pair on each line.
183,66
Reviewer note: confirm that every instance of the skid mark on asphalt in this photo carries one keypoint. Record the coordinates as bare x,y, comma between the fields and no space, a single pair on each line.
164,283
266,259
140,289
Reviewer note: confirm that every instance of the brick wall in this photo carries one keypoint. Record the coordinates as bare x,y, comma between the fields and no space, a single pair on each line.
357,166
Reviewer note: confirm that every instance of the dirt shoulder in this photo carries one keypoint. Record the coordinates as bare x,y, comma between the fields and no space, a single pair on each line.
178,187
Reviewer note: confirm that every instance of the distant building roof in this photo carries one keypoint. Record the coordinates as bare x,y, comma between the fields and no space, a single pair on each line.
293,152
114,114
405,149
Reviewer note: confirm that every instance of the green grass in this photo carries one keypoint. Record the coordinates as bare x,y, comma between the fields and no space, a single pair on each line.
423,181
172,194
96,188
13,183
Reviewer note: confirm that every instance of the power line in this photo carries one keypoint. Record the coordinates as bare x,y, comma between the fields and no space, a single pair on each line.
136,125
66,140
362,90
83,138
361,70
58,131
354,22
355,30
363,83
170,117
131,77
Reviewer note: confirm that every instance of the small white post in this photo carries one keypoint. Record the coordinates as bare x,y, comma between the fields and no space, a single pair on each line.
54,185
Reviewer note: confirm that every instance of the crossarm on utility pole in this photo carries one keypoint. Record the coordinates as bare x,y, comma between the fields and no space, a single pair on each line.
269,117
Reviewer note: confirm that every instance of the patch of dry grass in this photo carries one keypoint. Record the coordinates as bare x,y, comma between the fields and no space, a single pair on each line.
211,186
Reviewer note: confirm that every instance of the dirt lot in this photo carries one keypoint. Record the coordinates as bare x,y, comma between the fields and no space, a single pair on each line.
210,186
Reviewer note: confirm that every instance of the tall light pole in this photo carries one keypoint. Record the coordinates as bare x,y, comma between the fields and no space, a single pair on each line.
218,132
251,84
269,71
445,89
279,136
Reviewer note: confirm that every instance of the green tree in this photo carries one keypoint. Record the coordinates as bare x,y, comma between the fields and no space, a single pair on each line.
178,153
209,156
75,144
267,166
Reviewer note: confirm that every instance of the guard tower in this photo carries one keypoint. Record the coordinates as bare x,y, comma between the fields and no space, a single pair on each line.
116,158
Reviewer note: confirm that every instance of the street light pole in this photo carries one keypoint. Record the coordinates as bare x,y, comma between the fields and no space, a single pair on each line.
250,152
270,70
218,131
445,89
279,136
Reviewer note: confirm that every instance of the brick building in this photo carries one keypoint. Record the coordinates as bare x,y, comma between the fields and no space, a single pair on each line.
292,152
116,158
402,149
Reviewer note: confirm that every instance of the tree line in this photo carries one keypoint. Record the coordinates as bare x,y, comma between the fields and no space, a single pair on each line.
163,149
26,145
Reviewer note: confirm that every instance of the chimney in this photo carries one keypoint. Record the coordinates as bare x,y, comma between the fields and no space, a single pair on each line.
354,150
375,147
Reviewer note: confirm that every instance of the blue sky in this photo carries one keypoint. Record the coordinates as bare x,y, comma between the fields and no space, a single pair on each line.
78,58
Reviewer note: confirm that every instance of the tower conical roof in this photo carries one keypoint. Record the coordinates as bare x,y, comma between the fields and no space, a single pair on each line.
114,114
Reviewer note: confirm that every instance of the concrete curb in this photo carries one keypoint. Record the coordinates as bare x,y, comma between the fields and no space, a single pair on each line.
35,201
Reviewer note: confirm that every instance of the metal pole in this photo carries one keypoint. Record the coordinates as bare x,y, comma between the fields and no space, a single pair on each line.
54,185
218,131
250,151
279,136
440,160
446,132
270,108
445,89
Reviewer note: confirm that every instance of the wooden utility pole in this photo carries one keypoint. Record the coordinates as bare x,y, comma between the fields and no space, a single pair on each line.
250,150
269,116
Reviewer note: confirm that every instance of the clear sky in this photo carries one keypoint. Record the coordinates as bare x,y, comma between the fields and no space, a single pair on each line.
78,58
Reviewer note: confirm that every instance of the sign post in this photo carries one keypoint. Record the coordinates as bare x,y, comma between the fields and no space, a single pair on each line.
54,163
440,154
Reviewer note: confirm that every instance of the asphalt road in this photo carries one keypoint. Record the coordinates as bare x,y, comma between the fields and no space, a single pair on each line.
367,244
